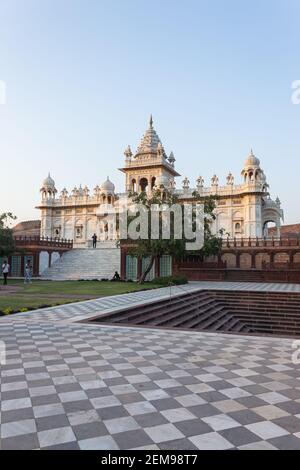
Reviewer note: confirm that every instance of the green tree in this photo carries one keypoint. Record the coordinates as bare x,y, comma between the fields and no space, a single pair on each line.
177,248
7,244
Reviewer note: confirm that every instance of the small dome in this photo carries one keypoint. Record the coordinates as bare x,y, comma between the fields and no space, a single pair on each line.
107,186
252,160
49,182
162,181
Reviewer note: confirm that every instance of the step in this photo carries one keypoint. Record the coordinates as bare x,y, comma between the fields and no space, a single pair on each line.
208,321
130,315
196,317
164,310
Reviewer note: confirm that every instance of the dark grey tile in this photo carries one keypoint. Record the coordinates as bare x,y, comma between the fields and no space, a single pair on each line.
201,411
150,419
89,430
24,442
39,383
286,442
291,407
292,393
16,415
13,378
187,380
12,394
45,400
131,439
115,381
112,412
130,398
72,387
245,417
158,376
290,423
255,389
98,392
193,427
212,396
52,422
146,386
66,446
177,391
165,404
239,436
178,444
36,370
251,402
79,405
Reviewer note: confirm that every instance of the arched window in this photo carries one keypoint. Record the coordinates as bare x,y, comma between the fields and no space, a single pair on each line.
237,227
143,184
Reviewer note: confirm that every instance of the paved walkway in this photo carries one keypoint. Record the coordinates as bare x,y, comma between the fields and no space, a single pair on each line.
81,386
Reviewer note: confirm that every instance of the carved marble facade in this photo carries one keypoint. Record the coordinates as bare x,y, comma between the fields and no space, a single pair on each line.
243,210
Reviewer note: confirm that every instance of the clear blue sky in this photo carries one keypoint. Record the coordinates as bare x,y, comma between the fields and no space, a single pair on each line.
82,77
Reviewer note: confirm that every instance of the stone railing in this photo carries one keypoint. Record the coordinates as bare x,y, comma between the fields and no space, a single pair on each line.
281,266
44,241
259,242
227,190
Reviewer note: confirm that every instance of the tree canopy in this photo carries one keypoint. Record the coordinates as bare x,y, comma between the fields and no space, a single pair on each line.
153,248
7,244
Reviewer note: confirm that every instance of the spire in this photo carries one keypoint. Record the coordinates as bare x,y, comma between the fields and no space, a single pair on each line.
128,153
150,140
151,122
171,159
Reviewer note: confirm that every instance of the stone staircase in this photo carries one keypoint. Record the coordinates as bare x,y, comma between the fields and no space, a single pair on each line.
247,312
200,310
86,263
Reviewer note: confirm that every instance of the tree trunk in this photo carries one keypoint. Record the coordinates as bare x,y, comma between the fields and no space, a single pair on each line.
147,270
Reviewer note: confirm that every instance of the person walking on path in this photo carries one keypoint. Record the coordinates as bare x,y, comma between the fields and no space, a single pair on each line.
94,237
27,279
5,272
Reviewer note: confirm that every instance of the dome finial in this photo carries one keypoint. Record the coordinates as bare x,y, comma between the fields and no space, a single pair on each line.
251,152
151,121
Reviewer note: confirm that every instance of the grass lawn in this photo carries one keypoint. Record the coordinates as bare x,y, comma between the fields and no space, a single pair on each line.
41,293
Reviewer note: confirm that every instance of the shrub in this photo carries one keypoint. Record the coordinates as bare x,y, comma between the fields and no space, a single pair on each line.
23,309
170,280
8,311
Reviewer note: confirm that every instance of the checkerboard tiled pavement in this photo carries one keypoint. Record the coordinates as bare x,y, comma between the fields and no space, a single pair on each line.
78,386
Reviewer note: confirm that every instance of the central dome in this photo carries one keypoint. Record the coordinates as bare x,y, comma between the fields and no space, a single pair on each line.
49,182
107,186
252,160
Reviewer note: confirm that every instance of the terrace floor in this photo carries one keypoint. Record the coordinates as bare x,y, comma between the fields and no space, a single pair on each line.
69,385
